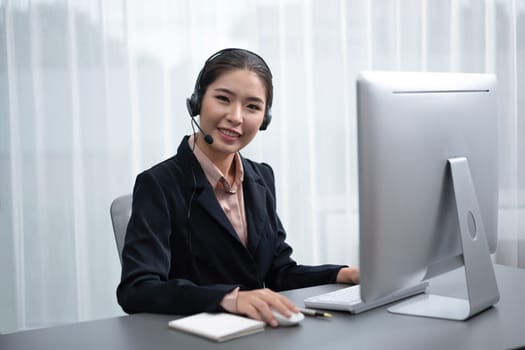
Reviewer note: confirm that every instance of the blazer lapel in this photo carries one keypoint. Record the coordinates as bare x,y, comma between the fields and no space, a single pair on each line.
205,198
208,202
254,206
254,193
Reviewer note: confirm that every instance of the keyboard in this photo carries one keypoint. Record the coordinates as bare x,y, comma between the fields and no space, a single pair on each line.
349,299
340,299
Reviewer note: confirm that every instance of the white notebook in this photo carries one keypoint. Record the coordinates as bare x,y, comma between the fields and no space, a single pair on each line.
217,326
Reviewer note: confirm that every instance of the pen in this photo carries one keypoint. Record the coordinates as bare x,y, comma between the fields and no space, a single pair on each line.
315,313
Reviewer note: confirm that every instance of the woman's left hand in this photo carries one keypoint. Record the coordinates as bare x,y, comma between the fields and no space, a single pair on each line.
349,275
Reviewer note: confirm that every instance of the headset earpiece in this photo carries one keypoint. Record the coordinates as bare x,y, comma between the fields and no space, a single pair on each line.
267,118
193,105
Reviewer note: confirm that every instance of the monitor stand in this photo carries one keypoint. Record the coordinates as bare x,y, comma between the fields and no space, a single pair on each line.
482,287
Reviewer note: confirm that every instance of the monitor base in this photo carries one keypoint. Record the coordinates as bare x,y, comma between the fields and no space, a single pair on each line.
482,287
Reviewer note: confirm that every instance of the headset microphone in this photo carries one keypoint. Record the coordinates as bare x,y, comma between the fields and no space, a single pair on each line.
207,137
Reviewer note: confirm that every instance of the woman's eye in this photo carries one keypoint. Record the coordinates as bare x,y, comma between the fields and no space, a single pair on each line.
222,98
254,107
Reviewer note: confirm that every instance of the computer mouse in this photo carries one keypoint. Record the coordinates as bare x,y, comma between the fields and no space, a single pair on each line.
293,320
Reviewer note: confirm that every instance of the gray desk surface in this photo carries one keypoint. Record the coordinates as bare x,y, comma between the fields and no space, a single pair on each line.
501,327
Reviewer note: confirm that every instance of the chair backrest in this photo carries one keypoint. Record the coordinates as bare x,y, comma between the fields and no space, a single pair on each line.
120,211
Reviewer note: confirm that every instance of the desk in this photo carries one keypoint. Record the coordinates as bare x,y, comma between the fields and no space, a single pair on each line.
501,327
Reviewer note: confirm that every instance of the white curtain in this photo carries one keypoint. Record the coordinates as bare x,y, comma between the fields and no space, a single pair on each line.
92,92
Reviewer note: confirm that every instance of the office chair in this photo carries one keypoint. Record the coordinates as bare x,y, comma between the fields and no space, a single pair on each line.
120,211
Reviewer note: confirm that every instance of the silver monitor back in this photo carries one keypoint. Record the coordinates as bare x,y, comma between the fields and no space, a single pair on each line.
409,124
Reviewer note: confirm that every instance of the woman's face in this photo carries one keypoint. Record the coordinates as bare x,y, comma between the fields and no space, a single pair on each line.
232,111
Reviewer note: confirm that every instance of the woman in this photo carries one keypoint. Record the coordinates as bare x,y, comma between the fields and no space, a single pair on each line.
204,234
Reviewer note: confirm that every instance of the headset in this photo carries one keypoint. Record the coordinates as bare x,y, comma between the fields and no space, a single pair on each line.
193,103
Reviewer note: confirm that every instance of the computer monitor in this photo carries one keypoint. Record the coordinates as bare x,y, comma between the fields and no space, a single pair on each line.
427,149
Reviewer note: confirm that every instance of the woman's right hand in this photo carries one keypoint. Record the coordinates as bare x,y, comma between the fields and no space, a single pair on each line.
258,304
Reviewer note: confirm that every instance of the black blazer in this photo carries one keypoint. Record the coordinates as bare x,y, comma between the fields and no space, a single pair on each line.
181,254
